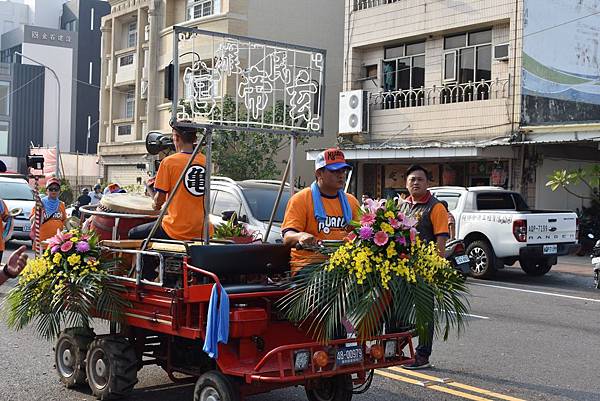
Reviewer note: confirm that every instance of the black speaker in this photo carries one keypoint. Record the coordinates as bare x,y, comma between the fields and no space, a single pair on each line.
156,142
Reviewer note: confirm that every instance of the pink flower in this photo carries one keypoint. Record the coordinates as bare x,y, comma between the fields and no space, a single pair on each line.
380,238
351,236
394,223
408,222
374,205
66,247
365,232
82,247
367,219
401,240
413,234
55,248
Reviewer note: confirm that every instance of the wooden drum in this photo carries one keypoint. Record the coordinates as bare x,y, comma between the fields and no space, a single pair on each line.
118,213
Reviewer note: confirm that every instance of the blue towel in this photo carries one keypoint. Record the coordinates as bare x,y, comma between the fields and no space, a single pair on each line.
50,205
217,322
320,214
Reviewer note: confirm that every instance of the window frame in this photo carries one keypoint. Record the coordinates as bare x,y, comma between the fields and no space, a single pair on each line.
130,102
405,56
221,192
191,5
457,58
122,126
132,34
6,98
126,57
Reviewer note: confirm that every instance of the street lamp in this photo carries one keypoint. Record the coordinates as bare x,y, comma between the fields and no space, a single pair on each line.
57,171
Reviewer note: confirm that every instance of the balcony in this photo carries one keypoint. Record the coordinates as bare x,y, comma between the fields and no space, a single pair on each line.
126,69
443,94
364,4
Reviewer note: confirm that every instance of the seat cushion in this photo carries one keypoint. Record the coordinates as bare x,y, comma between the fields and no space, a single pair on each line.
234,259
249,288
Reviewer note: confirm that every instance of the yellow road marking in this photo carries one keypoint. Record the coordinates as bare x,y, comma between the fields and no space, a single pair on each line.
457,384
433,387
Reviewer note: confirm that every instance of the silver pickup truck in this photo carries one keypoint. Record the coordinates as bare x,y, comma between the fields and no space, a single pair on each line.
499,228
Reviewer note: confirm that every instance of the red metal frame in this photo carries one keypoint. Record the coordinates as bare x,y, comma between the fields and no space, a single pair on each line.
182,313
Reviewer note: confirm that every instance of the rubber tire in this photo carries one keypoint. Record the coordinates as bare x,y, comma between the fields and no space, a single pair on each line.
219,383
491,262
597,279
342,389
80,339
535,267
121,365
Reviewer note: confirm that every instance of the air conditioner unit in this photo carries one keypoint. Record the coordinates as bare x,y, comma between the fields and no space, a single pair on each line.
354,112
501,52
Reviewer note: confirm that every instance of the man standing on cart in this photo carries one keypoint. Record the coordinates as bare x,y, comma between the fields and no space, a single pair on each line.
185,216
321,212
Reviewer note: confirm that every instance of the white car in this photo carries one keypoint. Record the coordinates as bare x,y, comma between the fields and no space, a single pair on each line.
17,193
253,202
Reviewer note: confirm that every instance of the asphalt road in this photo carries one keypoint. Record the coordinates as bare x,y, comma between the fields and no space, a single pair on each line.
527,339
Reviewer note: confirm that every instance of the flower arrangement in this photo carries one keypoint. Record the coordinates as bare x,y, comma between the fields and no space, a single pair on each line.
235,230
382,273
65,286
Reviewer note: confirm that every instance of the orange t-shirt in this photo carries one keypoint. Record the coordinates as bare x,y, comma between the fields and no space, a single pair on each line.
3,216
300,217
439,219
185,215
51,223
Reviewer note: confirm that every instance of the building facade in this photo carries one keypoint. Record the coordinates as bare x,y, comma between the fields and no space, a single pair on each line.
137,47
451,86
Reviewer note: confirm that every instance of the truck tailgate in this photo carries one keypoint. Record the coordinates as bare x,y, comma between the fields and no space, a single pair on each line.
548,228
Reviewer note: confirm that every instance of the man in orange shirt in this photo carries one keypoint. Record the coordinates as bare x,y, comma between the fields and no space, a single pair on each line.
432,226
321,212
53,212
185,215
4,216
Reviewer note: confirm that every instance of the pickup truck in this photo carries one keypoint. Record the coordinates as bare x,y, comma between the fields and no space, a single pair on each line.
499,229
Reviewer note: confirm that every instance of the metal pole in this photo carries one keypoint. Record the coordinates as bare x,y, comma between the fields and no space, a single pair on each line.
292,163
57,171
207,175
175,76
276,205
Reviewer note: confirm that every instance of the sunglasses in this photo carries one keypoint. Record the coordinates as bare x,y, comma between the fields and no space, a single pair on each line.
53,189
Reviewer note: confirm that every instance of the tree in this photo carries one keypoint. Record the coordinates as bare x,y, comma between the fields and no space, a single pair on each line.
590,177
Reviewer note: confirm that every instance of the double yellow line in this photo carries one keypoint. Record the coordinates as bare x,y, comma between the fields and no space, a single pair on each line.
443,385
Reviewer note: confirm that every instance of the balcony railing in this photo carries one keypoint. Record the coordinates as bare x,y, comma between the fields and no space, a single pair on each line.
443,94
364,4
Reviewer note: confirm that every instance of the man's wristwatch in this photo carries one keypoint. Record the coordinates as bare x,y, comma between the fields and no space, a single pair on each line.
7,273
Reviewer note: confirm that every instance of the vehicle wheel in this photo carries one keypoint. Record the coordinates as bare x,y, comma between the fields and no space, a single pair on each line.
215,386
69,355
597,279
337,388
483,259
111,367
535,267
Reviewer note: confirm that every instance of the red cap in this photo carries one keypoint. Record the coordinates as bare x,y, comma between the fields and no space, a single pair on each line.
52,180
332,159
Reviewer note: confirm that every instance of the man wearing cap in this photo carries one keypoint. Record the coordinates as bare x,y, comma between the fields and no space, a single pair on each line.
185,216
96,195
321,212
53,214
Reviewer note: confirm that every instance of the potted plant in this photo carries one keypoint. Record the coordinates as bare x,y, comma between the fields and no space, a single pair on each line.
235,231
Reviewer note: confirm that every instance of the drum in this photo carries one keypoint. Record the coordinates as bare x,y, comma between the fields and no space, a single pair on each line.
118,213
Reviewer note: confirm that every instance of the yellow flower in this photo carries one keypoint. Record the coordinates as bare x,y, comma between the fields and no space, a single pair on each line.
74,260
74,239
386,228
390,215
57,258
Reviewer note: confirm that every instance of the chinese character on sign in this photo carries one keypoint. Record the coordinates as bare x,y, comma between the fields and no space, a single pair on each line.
61,38
44,36
194,180
68,38
35,34
52,36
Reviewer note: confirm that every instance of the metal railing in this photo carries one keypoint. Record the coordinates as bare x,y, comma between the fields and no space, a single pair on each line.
364,4
442,94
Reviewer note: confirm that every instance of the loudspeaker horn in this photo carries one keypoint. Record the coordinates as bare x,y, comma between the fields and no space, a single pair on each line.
156,142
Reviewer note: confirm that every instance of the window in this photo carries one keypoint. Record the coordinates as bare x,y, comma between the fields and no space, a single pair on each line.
3,139
17,190
261,202
371,71
126,60
501,201
467,62
91,19
451,198
129,104
404,69
4,98
199,8
132,34
226,202
124,130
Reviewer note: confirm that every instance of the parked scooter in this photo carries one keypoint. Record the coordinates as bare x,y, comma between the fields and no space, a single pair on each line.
596,262
456,255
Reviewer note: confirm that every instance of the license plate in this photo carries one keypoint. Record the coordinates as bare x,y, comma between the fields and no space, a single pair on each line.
550,249
461,259
596,261
349,355
27,228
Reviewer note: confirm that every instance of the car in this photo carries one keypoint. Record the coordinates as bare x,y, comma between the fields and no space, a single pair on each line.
252,201
16,193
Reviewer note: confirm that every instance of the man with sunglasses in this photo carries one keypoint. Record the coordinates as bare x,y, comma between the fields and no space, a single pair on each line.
53,211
